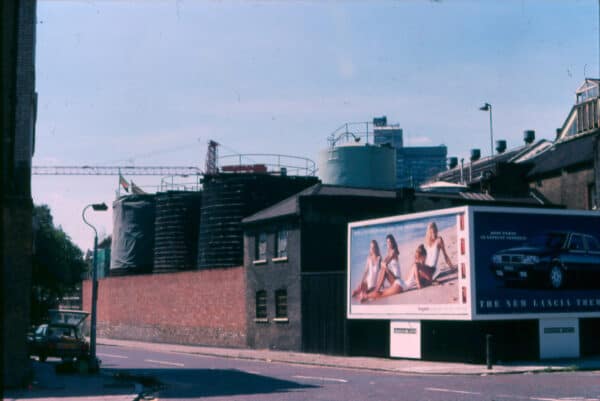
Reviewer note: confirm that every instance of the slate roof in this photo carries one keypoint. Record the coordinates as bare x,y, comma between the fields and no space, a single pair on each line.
291,206
534,199
563,154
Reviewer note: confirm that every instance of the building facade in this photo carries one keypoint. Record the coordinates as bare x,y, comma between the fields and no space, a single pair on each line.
567,173
295,264
414,164
18,105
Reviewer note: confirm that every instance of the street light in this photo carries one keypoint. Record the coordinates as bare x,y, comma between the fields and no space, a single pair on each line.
488,107
98,207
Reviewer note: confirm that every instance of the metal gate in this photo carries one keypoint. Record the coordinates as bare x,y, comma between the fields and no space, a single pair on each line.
324,312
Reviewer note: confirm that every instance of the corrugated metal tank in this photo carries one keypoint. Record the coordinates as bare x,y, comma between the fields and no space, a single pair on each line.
226,200
132,248
176,226
363,166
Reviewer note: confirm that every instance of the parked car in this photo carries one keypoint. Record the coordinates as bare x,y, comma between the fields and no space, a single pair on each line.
552,258
61,337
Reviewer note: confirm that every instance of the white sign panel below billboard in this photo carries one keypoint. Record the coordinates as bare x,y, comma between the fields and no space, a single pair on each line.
405,339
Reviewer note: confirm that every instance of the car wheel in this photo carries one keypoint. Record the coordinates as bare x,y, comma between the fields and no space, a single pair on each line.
556,277
42,358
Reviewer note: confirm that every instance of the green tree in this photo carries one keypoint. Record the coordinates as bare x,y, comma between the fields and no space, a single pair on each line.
57,264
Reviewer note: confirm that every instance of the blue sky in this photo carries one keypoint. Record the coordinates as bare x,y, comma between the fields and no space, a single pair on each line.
149,83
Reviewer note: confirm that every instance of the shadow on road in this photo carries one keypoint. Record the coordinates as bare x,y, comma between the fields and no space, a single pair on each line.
192,383
53,380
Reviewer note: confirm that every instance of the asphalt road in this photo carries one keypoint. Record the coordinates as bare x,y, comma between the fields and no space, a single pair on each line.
187,376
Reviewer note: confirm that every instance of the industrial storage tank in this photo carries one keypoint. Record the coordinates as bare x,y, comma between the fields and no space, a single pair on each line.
132,248
362,166
176,225
226,200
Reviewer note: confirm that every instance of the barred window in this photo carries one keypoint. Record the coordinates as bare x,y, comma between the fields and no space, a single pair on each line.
261,304
281,304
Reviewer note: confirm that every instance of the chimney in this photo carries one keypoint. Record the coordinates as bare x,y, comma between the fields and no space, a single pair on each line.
529,136
452,162
500,146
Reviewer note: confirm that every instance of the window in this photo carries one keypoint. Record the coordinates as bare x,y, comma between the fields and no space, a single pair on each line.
576,243
591,197
261,304
281,304
281,244
260,247
592,244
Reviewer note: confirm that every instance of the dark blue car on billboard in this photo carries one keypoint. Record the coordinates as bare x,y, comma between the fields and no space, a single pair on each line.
551,259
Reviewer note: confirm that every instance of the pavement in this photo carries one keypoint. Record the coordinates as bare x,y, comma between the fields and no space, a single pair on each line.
48,384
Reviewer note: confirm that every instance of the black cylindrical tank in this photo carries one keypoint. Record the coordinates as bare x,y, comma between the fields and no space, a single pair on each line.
176,230
226,200
132,248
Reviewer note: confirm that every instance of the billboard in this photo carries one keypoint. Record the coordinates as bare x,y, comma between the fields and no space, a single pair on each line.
410,267
535,262
475,263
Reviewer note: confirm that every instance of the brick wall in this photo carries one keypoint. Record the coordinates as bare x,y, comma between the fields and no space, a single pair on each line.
199,307
570,188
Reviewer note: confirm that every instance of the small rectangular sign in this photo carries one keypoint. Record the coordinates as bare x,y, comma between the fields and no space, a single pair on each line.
559,338
405,339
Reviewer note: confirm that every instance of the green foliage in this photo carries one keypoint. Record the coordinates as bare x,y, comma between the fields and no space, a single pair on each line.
57,264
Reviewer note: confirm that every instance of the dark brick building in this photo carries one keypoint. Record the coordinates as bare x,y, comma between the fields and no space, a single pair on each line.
295,258
18,104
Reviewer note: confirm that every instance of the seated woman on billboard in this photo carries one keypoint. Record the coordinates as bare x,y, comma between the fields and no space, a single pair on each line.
433,245
421,275
369,278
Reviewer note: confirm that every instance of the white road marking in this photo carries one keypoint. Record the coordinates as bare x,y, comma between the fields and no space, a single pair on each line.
546,399
325,379
446,390
112,355
165,362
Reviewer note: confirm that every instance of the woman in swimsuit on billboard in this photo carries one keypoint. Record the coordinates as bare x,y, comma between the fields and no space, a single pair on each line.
433,245
369,278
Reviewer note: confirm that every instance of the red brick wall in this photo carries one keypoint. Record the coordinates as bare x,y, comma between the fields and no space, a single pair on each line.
198,307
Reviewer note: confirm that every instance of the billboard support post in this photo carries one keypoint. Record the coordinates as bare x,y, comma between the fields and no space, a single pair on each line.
488,350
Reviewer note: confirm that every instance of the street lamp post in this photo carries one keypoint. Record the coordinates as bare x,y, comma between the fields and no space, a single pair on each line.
488,107
99,207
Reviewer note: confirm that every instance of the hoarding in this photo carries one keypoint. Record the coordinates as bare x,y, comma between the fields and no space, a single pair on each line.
475,263
535,262
410,267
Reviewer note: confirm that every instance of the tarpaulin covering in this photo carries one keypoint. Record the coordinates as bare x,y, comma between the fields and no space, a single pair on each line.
133,234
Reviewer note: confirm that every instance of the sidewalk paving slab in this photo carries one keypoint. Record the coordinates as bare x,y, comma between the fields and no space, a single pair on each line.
406,366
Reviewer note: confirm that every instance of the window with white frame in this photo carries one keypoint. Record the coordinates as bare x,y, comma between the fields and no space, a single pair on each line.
281,241
260,248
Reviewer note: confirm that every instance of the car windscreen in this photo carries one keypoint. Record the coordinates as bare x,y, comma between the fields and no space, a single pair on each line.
550,240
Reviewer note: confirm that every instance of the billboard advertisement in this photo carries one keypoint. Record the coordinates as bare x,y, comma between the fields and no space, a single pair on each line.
532,263
410,267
